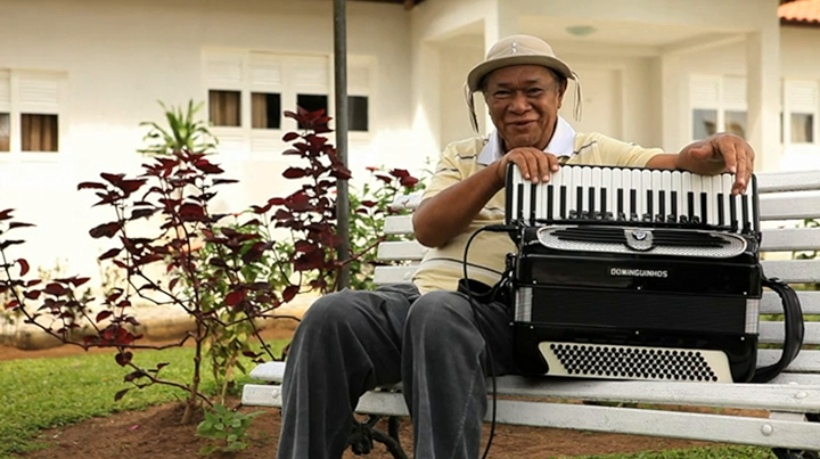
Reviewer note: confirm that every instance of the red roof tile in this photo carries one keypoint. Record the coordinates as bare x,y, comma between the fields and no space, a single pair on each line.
800,11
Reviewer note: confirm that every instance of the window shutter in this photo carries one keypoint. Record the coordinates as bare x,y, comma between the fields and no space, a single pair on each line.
705,92
358,79
802,96
310,76
38,94
266,73
223,71
734,91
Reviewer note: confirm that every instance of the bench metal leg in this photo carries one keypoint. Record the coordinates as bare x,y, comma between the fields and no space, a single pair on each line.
783,453
364,433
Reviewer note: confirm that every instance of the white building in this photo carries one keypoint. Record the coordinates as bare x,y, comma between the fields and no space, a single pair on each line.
78,76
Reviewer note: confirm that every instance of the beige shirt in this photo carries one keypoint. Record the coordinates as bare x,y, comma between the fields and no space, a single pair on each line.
442,267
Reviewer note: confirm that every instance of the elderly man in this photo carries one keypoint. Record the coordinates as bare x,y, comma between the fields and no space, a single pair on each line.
427,335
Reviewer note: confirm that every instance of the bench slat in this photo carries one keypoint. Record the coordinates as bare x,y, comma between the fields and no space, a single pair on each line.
789,206
773,332
383,275
398,224
809,300
728,395
770,182
720,428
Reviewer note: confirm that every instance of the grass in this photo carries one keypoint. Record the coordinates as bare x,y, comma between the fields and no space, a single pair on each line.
40,393
36,394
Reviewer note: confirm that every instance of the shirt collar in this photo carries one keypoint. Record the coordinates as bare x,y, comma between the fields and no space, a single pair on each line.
561,144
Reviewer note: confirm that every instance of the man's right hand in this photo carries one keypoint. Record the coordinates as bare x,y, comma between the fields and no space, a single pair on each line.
535,165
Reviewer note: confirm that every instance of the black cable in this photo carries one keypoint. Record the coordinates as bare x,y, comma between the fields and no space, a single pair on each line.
473,306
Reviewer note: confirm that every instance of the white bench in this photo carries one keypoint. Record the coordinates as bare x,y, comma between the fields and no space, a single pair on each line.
792,399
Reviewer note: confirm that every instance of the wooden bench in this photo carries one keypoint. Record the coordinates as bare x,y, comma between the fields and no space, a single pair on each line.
792,399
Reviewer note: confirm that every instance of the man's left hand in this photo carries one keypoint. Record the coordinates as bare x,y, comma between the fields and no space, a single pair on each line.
721,153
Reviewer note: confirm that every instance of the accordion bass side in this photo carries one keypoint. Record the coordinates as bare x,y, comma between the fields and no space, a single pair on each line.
635,281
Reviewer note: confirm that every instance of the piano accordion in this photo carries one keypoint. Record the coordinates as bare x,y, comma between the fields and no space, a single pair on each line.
627,273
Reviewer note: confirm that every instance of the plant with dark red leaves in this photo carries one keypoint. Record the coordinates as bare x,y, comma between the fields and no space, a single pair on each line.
162,264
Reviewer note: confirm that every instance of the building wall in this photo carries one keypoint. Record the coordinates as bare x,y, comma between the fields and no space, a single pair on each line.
800,61
120,58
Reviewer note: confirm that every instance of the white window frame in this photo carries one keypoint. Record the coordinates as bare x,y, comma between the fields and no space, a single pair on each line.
52,102
730,95
249,71
792,105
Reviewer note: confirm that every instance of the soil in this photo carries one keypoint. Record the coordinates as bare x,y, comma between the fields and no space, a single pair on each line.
156,433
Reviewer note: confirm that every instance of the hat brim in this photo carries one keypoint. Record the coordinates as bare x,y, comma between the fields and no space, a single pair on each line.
485,68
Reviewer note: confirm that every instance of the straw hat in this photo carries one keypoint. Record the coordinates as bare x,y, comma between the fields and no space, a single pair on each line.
518,50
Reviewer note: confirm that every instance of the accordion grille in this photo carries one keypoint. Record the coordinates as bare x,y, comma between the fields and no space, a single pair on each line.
635,362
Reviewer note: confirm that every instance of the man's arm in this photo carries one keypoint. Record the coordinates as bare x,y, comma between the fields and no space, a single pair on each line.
442,217
720,153
449,213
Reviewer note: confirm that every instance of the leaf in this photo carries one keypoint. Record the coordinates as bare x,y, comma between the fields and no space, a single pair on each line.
294,173
119,395
12,304
110,253
220,181
235,297
91,185
24,267
13,225
191,212
105,230
142,213
78,281
104,315
55,289
32,294
290,136
6,214
207,167
113,179
124,358
8,243
290,293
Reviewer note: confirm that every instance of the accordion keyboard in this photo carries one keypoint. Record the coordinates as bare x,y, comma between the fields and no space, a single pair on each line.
634,196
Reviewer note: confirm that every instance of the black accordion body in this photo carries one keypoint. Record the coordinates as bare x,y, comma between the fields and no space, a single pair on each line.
626,273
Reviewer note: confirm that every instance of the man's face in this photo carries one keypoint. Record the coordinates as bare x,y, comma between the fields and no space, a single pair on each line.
523,101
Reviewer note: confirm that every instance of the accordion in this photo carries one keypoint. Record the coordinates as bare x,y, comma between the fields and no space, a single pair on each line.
626,273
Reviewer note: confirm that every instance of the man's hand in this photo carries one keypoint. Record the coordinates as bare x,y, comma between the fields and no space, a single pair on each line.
720,153
535,165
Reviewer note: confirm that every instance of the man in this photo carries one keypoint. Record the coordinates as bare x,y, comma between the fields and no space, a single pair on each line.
427,335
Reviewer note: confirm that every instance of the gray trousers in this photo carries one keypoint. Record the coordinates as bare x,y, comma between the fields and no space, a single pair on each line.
352,341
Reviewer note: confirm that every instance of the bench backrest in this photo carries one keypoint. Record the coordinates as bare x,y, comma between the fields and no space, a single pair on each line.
787,199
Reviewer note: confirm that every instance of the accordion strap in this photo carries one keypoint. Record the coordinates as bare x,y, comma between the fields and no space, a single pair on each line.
793,322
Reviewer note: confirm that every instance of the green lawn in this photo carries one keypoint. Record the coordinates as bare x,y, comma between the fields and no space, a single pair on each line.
41,393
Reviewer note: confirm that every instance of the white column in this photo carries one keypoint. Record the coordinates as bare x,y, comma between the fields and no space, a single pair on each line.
763,95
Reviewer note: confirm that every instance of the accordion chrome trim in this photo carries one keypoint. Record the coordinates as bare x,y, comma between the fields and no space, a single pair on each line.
642,241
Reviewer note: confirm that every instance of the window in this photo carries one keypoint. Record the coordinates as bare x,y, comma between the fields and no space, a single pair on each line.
357,109
30,111
5,132
718,105
801,103
224,108
39,132
266,110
